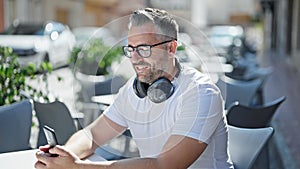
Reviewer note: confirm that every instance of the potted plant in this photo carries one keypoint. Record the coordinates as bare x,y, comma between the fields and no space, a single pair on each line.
91,65
95,58
13,78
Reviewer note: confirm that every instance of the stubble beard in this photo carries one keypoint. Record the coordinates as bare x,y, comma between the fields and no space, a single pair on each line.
151,76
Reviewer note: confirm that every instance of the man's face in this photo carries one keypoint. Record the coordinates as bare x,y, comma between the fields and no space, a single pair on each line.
151,68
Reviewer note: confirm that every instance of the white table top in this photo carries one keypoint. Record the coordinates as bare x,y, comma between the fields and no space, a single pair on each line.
104,99
26,159
21,159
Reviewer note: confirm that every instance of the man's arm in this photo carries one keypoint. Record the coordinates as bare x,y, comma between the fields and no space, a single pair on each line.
84,142
179,152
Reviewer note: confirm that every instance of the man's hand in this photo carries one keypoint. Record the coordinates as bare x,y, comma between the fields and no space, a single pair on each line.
65,159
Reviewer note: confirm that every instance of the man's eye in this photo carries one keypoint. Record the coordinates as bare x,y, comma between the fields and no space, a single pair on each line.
129,49
143,48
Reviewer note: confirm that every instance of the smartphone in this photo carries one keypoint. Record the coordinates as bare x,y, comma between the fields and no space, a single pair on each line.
51,138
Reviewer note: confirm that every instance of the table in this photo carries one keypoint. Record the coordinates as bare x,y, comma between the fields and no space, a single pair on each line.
21,159
26,159
104,99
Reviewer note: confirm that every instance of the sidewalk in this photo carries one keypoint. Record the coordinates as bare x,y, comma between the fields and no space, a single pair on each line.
284,81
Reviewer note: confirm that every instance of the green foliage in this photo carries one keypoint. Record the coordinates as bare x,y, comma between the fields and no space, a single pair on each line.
181,48
95,58
13,78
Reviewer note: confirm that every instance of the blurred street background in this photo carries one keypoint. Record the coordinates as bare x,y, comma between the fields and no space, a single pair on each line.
248,37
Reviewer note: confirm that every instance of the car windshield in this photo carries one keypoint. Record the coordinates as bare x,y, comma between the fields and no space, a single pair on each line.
25,29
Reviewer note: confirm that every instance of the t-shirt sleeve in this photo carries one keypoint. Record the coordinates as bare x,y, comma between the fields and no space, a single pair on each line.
200,114
113,112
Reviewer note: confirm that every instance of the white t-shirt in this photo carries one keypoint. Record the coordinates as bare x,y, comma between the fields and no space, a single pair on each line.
194,110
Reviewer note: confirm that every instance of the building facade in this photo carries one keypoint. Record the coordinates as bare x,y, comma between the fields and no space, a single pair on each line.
99,12
282,29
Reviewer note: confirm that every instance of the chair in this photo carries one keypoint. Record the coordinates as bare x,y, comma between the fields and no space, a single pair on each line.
254,117
240,115
246,144
262,73
98,85
15,126
110,86
237,90
57,116
95,86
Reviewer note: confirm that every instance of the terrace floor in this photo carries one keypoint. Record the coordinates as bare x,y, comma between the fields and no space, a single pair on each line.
284,81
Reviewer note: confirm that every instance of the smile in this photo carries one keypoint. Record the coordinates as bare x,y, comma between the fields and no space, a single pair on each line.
141,67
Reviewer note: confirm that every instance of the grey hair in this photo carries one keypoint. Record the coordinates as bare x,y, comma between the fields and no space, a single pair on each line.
163,21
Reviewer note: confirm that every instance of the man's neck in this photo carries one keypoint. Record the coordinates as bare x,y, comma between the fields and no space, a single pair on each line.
175,70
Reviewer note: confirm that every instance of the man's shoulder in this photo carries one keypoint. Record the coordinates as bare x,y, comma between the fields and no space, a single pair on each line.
192,75
194,79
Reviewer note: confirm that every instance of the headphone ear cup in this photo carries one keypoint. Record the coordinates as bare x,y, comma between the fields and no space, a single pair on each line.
160,90
140,88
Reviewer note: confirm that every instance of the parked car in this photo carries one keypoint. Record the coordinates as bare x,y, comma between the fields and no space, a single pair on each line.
37,42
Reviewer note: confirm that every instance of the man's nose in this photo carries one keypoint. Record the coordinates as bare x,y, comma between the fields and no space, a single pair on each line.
135,57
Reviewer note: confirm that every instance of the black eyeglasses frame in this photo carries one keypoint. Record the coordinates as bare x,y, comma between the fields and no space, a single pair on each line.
136,48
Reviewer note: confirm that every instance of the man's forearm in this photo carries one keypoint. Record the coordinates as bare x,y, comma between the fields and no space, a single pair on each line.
149,163
81,143
84,142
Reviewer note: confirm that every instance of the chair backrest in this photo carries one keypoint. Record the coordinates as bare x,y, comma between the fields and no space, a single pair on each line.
110,86
252,116
98,85
57,116
95,86
237,90
15,126
246,144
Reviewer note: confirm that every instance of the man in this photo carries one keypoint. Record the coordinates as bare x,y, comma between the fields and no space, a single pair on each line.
175,113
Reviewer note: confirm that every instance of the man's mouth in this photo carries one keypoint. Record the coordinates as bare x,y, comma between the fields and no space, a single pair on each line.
141,68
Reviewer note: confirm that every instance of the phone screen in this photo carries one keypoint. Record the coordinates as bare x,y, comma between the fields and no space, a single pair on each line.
50,136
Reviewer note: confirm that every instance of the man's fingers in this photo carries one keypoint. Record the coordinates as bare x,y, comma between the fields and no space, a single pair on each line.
39,165
44,148
60,150
42,157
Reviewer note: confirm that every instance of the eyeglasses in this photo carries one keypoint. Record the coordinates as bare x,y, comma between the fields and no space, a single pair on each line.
143,51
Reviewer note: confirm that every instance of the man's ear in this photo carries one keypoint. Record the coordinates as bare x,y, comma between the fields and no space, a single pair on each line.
172,47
